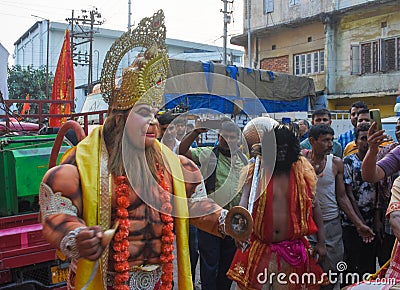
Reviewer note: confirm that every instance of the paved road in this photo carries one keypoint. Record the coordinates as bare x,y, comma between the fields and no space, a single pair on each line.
197,285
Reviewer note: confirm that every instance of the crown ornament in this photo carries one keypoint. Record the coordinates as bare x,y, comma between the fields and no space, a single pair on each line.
144,80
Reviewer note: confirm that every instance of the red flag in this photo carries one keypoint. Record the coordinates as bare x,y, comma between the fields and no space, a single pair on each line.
63,86
27,106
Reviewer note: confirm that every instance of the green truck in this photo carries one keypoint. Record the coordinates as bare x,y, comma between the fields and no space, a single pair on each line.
27,261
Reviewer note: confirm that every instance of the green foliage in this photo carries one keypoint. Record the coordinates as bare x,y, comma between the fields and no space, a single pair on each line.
23,81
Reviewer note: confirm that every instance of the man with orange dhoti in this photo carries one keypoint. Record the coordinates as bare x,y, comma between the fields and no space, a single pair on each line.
284,213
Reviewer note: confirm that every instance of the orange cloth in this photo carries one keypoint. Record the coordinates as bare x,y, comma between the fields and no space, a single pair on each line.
27,106
63,86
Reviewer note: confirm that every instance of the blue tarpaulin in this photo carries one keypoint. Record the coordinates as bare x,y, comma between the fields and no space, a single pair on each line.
225,104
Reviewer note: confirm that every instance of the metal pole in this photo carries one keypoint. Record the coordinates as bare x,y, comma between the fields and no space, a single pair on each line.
89,87
225,30
129,28
249,34
72,36
47,59
97,65
129,14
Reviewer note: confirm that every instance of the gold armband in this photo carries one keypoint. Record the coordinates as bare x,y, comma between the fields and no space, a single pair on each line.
54,203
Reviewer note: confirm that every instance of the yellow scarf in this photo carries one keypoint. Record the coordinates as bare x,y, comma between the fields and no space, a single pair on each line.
88,161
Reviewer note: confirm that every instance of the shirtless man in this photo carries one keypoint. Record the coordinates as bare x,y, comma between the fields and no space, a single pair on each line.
284,213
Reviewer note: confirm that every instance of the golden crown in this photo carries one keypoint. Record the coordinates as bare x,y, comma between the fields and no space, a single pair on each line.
143,81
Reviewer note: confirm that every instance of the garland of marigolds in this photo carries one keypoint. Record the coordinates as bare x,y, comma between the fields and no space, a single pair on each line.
121,243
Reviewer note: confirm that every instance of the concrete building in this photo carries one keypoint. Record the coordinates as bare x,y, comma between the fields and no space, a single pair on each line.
3,75
351,48
3,71
31,50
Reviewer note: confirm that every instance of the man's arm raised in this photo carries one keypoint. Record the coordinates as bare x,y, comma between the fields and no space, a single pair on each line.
187,141
370,171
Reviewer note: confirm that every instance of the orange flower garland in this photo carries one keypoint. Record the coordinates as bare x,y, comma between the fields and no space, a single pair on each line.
121,243
167,238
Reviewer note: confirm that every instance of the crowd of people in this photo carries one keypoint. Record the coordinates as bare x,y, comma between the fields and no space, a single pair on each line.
124,197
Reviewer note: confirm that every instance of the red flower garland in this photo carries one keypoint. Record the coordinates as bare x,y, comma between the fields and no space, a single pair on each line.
121,243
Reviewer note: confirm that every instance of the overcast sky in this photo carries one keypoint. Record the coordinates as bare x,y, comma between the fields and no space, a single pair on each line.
199,21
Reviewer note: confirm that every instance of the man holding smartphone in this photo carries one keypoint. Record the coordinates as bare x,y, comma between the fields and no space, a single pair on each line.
221,166
364,117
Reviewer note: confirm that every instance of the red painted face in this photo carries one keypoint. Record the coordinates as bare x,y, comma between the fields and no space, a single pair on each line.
141,126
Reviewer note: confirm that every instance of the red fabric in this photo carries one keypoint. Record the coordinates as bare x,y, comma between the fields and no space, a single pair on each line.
394,267
63,86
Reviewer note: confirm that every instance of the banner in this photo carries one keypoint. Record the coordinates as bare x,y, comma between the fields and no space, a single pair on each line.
63,86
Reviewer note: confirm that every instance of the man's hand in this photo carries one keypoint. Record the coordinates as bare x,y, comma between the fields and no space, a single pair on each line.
320,251
366,233
88,242
375,138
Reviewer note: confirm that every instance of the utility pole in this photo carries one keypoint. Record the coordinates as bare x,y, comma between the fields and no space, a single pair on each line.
249,34
129,27
84,33
227,20
129,14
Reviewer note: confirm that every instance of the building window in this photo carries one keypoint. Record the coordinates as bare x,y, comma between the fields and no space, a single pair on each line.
376,56
309,63
355,59
293,2
268,6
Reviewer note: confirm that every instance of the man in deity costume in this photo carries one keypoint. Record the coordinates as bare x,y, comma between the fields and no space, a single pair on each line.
284,213
121,177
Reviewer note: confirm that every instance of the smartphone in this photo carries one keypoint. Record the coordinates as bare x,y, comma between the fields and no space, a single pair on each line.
375,116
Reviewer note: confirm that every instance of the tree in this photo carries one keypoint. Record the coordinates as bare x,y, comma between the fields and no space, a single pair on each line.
28,81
